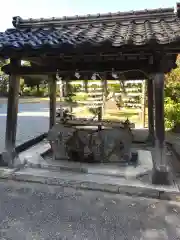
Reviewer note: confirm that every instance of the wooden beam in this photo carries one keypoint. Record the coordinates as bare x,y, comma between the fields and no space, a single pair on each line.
172,48
71,68
93,65
129,75
132,67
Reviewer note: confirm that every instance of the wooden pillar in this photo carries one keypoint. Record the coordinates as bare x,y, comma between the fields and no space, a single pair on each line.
151,137
105,87
68,90
61,94
143,103
104,96
12,114
85,83
52,101
159,112
63,88
99,117
161,173
66,87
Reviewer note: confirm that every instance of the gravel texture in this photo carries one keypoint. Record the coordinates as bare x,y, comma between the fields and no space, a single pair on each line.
36,211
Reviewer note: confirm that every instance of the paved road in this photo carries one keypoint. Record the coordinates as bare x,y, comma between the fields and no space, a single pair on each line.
32,121
34,211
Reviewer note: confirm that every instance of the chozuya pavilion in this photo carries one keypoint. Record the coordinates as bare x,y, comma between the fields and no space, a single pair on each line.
135,45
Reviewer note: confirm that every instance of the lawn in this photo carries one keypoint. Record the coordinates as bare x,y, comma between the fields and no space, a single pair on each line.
134,115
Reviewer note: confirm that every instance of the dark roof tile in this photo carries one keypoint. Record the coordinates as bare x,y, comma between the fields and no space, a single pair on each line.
136,28
18,22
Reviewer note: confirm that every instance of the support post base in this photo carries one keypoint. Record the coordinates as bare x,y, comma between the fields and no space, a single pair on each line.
11,159
150,140
161,176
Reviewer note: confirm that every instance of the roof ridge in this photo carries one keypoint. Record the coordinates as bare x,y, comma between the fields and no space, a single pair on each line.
19,22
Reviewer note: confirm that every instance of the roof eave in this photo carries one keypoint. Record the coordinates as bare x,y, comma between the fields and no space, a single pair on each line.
18,22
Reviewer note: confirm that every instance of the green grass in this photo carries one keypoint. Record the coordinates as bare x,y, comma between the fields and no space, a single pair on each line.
124,114
132,114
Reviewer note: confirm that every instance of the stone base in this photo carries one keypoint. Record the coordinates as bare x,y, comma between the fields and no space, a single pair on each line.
12,159
150,140
161,176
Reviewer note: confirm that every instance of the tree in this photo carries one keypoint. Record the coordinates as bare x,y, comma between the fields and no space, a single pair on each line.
4,80
33,82
172,98
172,84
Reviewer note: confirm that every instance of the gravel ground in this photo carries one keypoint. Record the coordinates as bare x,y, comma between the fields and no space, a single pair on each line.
36,211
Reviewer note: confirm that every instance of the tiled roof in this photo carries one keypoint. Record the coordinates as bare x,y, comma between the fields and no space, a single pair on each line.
161,26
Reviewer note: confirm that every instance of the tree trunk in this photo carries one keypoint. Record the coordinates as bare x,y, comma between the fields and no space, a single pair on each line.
37,86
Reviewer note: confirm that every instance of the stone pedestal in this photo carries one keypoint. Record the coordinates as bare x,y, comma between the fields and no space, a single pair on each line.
107,145
162,176
11,158
150,140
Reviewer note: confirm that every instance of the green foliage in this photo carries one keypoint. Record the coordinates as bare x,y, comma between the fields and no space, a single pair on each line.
4,80
172,113
74,95
26,91
119,102
172,89
71,93
172,98
26,63
31,82
80,97
114,87
42,92
94,111
76,88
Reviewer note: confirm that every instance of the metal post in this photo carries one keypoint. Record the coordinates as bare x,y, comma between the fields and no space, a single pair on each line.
52,101
12,113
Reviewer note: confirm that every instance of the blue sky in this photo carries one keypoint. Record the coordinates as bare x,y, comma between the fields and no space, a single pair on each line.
58,8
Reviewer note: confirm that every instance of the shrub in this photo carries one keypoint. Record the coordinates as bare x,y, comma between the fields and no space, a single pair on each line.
172,113
27,91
